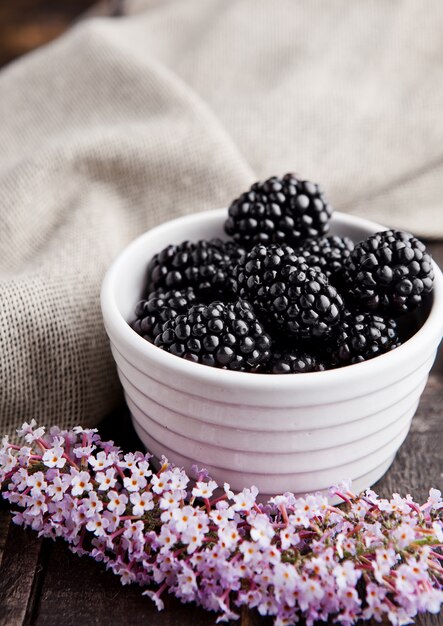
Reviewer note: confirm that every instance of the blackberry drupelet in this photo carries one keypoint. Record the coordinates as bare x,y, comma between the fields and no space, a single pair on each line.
362,336
389,272
160,307
327,253
291,296
260,267
207,266
293,361
279,210
221,335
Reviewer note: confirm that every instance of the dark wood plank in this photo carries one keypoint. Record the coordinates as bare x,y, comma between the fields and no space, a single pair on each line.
4,526
21,567
419,462
252,618
90,594
28,24
427,620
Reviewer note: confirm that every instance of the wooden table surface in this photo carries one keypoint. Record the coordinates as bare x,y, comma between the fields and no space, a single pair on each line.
28,24
42,583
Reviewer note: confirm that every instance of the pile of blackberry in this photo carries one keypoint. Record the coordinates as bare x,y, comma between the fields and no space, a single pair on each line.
283,296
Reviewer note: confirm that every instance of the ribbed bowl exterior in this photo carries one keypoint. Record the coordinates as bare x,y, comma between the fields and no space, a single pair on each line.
296,433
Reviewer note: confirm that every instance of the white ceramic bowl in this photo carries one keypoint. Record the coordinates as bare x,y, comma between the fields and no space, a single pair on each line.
293,432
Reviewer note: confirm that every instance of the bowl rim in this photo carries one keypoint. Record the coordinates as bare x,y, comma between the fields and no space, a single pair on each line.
419,347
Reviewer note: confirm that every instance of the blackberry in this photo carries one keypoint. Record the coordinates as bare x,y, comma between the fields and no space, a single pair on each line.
279,210
327,253
361,337
160,307
207,266
390,271
290,295
221,335
293,361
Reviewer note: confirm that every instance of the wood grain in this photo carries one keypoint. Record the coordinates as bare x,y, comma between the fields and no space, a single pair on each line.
20,571
419,462
92,595
4,526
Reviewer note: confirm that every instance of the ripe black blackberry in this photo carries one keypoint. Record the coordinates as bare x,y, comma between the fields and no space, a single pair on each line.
279,210
293,361
362,336
390,271
207,266
291,296
327,253
260,266
221,335
161,306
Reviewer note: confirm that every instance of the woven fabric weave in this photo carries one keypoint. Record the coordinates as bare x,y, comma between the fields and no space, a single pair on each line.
124,123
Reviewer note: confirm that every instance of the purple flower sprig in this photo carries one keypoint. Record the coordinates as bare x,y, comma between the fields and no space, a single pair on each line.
292,557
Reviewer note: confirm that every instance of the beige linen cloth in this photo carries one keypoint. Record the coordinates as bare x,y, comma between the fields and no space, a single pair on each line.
124,123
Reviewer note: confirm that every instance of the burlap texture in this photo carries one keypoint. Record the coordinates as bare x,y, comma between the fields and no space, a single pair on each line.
124,123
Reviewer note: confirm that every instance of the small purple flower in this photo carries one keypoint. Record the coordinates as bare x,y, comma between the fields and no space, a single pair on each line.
204,489
80,482
435,500
106,480
141,502
117,502
53,457
228,535
100,461
30,432
56,489
97,524
403,535
84,452
261,529
37,483
134,482
36,504
245,500
346,575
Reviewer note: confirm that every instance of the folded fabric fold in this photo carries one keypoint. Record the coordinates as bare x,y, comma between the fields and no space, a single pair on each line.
97,147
